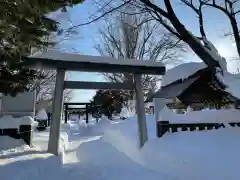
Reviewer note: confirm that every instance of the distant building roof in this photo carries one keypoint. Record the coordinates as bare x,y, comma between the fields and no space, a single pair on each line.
181,72
172,91
200,87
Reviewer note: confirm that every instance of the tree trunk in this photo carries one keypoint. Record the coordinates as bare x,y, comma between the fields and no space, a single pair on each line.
187,37
235,33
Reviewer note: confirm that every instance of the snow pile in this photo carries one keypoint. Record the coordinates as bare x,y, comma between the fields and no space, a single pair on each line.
195,155
166,114
206,116
41,115
66,127
8,122
182,71
185,155
93,127
90,158
63,141
29,163
8,143
27,120
41,139
129,126
123,135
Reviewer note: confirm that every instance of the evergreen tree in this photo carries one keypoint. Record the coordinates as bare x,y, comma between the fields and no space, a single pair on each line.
107,102
24,26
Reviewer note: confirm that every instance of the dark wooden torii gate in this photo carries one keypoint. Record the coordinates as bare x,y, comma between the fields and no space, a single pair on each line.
77,62
66,108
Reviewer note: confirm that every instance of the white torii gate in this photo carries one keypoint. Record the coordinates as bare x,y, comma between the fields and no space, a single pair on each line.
63,62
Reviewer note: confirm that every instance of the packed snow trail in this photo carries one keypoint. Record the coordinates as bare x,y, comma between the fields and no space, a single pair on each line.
87,157
99,160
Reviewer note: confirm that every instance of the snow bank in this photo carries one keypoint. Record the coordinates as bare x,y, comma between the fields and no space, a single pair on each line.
30,163
63,141
206,116
8,122
123,135
41,139
182,71
185,155
195,155
166,114
10,143
27,120
66,127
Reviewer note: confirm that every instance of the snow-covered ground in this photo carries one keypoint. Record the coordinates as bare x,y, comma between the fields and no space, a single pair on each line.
109,150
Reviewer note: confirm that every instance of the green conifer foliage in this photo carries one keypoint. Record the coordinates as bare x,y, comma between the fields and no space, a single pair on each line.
24,26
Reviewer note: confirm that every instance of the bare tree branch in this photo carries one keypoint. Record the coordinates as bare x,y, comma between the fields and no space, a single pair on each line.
100,17
137,37
229,10
198,10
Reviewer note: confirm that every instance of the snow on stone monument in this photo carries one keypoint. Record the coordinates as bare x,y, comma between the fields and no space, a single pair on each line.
41,115
21,105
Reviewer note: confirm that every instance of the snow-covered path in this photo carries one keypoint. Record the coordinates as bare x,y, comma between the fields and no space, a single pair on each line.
87,157
109,150
99,160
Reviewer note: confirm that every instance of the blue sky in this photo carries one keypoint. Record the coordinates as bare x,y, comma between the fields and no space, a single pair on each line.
216,25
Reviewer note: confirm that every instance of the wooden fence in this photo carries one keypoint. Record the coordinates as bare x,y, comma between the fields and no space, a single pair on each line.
165,126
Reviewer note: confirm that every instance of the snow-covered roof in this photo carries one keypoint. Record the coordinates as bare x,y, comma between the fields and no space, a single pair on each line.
74,57
182,71
171,92
232,81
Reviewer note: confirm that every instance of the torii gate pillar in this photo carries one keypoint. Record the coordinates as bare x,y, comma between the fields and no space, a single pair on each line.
140,110
53,142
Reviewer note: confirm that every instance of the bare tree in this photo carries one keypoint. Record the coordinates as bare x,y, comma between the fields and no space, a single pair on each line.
231,8
45,90
164,14
135,36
